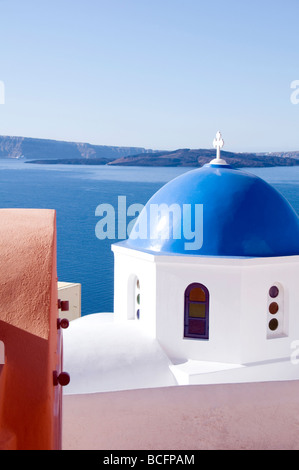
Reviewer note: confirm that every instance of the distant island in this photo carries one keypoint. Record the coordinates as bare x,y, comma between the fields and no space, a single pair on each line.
46,151
181,158
199,157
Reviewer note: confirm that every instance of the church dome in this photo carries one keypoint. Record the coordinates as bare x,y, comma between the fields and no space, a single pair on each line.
229,213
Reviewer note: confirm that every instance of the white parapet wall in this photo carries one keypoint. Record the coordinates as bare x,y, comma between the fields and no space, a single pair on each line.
254,416
69,291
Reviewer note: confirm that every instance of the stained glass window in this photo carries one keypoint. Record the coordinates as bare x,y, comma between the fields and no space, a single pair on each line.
196,312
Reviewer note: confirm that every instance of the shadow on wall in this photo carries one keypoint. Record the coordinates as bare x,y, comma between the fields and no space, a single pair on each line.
25,408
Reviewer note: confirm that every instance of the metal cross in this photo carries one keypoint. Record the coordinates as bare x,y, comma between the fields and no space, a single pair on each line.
218,144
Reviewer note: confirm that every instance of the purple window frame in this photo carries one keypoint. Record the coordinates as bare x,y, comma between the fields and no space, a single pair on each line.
203,321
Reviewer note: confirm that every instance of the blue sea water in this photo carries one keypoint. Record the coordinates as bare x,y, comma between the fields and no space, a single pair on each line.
75,191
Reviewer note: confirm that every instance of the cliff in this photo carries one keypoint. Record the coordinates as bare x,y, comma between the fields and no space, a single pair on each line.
46,149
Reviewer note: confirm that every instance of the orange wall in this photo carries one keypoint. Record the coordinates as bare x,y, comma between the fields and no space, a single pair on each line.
28,316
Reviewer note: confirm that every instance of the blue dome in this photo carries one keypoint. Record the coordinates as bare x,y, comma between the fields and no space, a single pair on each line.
228,212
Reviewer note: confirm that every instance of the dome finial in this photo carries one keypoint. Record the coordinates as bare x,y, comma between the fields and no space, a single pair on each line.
218,143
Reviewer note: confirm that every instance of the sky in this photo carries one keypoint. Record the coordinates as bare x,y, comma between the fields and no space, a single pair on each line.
159,74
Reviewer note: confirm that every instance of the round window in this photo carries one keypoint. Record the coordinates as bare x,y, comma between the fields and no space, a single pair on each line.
273,308
273,292
273,324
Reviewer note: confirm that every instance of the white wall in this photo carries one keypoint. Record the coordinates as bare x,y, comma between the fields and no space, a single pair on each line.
224,320
258,276
72,292
238,313
128,267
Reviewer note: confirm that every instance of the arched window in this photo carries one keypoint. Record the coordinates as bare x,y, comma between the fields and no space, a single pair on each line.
133,299
196,312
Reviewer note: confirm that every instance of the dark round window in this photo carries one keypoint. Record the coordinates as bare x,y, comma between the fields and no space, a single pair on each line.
273,292
138,314
273,308
273,324
138,299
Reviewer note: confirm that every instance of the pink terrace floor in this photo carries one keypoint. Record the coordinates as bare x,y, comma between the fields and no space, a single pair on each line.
232,416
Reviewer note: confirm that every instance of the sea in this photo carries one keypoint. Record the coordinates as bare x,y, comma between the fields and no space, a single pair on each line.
76,191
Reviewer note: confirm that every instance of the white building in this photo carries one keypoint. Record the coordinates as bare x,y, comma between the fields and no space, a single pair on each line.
211,271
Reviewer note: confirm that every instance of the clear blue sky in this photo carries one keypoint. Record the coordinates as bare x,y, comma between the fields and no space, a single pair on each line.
160,74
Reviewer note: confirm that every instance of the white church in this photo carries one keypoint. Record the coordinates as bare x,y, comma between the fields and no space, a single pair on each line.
205,290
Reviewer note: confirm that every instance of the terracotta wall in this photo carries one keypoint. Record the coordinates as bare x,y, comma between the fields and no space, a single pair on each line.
28,328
